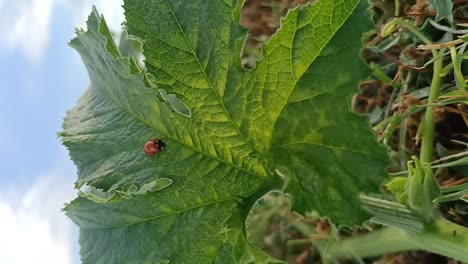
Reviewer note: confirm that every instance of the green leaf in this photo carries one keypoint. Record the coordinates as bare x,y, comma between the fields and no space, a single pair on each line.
460,187
444,9
229,133
327,151
458,162
453,193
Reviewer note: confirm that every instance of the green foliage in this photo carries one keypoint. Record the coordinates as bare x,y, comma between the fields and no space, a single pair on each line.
457,192
231,135
443,8
397,186
422,188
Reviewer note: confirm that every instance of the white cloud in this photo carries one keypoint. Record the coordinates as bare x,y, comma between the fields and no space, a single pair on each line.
113,12
25,26
32,227
111,9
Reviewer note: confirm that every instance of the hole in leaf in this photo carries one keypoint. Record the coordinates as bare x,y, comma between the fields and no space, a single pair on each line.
262,18
99,196
177,105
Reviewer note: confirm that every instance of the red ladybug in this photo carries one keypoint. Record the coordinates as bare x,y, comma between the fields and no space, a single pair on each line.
153,146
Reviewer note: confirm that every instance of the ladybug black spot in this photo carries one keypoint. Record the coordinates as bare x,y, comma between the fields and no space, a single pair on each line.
161,145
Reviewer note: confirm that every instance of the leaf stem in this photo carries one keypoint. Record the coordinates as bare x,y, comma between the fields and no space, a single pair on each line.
428,119
413,30
440,237
397,8
457,69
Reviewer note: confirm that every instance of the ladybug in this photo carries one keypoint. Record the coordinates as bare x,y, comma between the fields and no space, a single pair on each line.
153,146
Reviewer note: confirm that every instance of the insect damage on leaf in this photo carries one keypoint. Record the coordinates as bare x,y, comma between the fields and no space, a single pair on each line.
178,105
127,191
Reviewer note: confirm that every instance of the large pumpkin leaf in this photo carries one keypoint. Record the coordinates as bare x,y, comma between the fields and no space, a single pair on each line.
229,133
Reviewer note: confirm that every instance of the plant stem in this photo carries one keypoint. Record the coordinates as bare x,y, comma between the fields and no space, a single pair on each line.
456,68
413,30
428,119
441,237
397,8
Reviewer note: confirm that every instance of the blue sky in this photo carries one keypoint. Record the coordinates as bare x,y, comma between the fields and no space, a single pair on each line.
41,77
